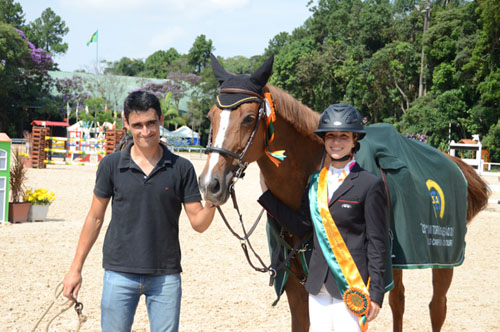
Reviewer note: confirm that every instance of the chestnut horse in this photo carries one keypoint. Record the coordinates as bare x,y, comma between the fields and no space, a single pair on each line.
238,136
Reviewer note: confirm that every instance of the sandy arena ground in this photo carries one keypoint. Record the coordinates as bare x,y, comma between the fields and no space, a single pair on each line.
220,291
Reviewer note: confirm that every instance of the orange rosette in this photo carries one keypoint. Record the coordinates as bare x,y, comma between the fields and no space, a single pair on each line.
357,301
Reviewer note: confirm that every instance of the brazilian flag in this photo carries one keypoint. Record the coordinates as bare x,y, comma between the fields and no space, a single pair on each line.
93,38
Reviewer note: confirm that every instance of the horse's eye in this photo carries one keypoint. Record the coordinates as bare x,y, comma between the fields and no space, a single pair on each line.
248,120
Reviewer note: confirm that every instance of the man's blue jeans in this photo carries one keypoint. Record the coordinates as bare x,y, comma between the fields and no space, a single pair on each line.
121,293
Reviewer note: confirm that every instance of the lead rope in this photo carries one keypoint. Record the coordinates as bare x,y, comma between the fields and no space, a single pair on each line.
68,304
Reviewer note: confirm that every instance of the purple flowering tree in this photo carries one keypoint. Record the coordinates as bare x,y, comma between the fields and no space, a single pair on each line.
418,137
177,83
24,82
41,60
71,91
170,92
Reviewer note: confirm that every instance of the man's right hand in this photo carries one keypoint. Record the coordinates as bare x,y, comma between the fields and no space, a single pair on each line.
72,283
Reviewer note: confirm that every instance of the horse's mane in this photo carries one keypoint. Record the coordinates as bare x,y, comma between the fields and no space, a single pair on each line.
477,190
301,117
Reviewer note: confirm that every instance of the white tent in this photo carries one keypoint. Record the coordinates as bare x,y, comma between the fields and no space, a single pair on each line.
164,132
182,136
185,132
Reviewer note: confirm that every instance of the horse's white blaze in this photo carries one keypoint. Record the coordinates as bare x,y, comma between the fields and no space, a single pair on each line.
219,140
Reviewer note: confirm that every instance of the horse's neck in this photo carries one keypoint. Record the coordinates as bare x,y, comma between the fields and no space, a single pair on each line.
303,155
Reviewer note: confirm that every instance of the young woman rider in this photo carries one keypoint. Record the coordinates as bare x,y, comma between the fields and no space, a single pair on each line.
345,207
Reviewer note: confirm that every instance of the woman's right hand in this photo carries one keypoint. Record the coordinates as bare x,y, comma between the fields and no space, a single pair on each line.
263,184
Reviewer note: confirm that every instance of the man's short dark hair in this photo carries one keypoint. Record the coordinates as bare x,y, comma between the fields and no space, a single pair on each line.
141,101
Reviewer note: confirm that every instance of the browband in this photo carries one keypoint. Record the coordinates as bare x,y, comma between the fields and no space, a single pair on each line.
242,91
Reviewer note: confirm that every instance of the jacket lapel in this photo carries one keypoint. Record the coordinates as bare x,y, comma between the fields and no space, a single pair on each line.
346,185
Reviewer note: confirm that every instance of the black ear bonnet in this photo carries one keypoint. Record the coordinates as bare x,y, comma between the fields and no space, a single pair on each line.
253,83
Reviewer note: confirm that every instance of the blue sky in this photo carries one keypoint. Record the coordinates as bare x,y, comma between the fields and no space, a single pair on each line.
137,28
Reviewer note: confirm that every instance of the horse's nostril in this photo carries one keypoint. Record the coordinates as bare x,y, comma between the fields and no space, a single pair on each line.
214,187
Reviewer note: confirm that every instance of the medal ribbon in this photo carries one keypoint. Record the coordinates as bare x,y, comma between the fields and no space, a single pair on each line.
349,281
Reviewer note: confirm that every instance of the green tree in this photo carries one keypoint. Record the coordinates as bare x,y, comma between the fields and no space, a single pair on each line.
449,27
156,64
97,113
238,65
492,141
285,65
199,54
170,112
317,76
387,82
12,13
431,115
180,65
125,67
277,43
195,115
47,32
24,82
15,55
202,95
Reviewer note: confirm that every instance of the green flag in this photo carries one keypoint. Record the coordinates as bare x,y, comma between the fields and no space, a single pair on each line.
93,38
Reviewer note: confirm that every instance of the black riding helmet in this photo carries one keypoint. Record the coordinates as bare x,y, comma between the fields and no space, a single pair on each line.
341,117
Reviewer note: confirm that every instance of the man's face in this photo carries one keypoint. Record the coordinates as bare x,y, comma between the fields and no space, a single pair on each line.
145,128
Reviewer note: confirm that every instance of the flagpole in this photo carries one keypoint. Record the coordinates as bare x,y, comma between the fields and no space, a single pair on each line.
97,52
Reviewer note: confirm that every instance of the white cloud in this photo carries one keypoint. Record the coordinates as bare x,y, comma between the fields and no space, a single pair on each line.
163,40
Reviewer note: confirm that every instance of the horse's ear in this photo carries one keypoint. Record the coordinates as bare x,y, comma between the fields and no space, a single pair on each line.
220,73
261,75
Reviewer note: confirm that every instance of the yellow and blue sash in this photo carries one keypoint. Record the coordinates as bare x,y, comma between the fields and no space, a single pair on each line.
351,285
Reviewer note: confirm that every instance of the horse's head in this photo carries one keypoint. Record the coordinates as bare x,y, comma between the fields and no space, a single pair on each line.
237,129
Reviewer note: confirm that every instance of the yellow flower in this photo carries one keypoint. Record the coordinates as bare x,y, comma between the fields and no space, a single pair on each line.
40,196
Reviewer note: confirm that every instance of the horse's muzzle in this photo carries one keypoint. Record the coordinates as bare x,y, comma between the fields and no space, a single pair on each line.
216,188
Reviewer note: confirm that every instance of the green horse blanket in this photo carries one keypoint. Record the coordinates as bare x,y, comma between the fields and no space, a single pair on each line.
428,195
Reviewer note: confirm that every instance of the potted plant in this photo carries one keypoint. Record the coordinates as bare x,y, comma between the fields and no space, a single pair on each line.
25,158
18,209
40,200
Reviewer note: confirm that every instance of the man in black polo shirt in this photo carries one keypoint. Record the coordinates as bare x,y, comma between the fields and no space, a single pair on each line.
141,254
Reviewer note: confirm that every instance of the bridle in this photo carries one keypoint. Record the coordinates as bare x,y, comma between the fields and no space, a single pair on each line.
273,268
242,164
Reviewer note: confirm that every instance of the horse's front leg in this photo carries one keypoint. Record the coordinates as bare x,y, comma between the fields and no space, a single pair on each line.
397,300
298,301
441,281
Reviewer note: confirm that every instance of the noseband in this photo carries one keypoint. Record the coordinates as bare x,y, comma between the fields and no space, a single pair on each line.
242,165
